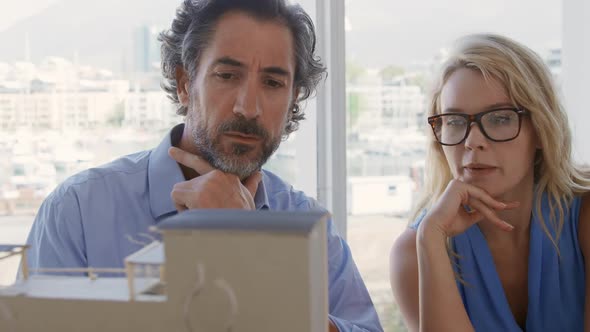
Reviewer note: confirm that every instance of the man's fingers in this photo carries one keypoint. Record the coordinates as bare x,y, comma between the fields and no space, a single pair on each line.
180,207
190,160
177,196
251,183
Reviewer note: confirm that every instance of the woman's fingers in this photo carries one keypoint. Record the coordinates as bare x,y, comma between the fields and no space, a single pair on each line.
512,205
473,216
489,214
485,198
467,191
462,205
488,200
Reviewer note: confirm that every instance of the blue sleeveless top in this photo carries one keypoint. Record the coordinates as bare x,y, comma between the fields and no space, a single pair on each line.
556,284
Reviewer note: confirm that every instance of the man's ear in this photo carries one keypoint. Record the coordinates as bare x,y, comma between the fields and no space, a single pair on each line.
296,92
182,86
294,101
293,105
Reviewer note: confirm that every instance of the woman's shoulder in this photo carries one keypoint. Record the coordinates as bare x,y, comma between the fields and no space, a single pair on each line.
549,203
403,259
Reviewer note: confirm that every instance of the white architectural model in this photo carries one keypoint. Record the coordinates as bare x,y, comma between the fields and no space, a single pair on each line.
216,270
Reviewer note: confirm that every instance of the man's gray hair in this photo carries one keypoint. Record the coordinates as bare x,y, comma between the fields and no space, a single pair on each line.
193,26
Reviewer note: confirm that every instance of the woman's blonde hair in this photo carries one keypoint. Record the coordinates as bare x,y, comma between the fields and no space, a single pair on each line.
529,85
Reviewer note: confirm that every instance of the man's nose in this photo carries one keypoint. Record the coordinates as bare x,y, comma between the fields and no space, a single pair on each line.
247,101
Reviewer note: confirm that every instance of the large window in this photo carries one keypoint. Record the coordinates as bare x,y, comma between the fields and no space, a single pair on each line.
79,86
89,94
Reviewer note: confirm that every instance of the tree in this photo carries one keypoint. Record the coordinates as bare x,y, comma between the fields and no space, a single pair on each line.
390,72
354,72
118,115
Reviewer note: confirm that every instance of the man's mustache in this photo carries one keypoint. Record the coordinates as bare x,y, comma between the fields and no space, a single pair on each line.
246,127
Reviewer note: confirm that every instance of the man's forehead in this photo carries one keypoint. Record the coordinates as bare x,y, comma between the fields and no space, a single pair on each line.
251,41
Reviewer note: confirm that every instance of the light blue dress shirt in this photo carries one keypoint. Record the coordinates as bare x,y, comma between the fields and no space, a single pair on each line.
85,220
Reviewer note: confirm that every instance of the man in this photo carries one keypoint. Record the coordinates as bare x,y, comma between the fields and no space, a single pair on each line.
237,69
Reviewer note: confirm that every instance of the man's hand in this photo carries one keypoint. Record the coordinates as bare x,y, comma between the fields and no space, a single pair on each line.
212,189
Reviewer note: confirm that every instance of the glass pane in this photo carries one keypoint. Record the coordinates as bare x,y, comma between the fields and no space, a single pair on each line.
89,94
83,97
295,159
392,49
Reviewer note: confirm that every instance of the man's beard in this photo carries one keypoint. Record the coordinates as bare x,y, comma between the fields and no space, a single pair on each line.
210,148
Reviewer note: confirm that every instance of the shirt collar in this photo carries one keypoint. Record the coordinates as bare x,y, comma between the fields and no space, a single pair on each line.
261,198
164,173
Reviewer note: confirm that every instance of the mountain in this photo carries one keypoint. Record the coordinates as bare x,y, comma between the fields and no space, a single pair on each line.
382,32
99,33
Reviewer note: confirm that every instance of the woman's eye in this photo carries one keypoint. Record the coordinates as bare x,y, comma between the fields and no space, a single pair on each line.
455,122
501,119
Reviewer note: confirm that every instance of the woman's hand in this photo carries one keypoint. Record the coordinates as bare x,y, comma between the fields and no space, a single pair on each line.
462,205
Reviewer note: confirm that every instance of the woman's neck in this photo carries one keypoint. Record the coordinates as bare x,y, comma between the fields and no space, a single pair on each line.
519,217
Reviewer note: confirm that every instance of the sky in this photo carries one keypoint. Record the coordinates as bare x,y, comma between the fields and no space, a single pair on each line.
11,11
402,32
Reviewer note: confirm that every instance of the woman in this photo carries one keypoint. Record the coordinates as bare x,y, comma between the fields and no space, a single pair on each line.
499,240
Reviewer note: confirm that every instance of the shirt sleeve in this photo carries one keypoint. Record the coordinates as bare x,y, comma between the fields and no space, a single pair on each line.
56,237
350,306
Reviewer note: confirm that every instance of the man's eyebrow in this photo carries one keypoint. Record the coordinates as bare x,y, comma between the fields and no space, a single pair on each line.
228,61
235,63
276,70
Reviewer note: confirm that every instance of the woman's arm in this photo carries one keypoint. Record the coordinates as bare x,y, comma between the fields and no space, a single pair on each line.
441,307
424,286
404,277
422,278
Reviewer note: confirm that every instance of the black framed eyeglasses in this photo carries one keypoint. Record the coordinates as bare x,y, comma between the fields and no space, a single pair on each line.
498,125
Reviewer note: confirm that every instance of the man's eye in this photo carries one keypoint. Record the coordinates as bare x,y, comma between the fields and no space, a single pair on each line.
273,83
226,76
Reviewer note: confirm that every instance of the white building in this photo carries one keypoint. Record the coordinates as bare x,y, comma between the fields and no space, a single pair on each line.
58,95
150,110
62,96
382,195
393,107
57,110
